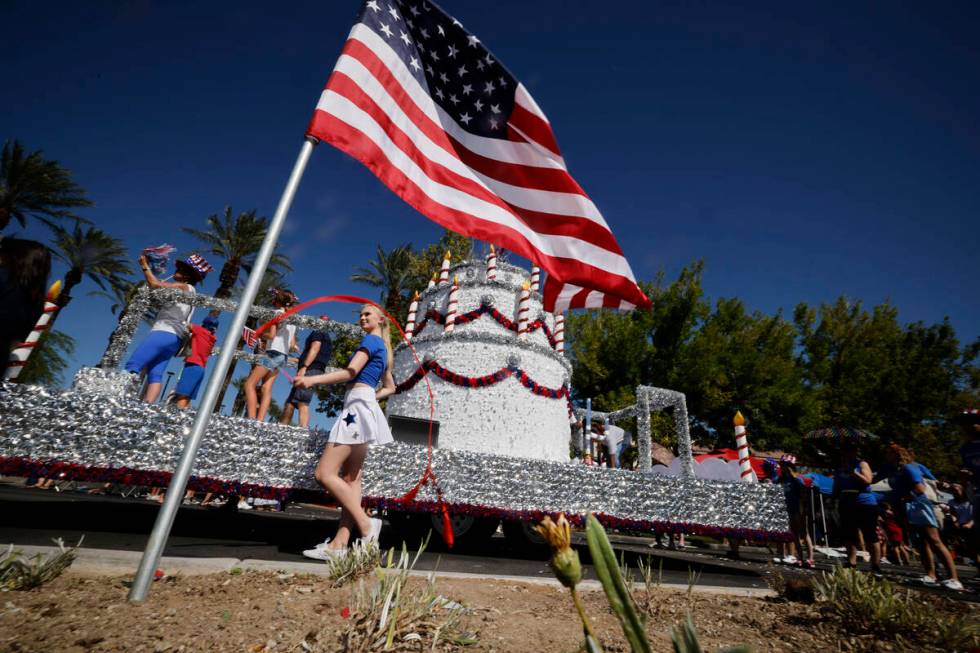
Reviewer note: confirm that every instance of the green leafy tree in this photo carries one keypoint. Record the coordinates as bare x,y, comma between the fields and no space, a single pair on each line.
904,384
37,188
743,361
91,253
428,260
49,361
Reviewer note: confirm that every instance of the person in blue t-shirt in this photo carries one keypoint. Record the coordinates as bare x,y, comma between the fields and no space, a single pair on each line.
909,492
857,505
361,423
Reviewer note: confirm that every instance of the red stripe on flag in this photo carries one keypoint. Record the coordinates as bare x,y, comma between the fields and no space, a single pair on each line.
533,127
349,140
544,223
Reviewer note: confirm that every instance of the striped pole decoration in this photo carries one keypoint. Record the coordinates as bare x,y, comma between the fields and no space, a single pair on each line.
444,272
433,280
560,333
412,310
523,308
535,278
492,264
22,352
742,442
451,307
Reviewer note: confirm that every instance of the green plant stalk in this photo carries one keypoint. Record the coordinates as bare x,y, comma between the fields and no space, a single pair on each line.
586,624
607,569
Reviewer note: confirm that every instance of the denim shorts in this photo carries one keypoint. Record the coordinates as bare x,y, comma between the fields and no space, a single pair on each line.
272,360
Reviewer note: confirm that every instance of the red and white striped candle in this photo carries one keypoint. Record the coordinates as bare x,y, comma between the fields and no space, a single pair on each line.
560,333
412,310
451,307
535,278
433,280
523,311
492,264
444,272
22,352
742,442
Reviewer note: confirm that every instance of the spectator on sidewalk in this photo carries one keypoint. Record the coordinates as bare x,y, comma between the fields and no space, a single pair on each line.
896,551
317,351
909,490
793,484
857,505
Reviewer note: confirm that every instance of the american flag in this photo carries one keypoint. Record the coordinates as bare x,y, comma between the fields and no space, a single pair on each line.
248,335
428,109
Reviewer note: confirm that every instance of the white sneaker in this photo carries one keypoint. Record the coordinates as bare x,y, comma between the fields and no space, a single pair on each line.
244,505
928,580
321,552
789,560
951,584
374,532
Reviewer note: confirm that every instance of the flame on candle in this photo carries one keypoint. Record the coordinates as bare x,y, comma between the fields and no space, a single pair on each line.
416,296
54,290
526,285
447,256
739,420
455,280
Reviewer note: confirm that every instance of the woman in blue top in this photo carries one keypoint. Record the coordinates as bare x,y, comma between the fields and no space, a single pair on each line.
857,505
361,423
909,492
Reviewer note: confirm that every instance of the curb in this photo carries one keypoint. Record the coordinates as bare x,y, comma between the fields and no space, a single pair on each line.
108,562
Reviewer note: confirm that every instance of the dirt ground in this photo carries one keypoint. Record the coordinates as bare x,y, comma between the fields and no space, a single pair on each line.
264,612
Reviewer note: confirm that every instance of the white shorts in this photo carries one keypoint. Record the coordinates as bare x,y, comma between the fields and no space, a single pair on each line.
361,421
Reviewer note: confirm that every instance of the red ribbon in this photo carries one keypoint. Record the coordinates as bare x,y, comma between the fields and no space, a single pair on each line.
429,475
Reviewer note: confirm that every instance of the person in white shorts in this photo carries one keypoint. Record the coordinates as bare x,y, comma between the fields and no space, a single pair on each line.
282,340
360,424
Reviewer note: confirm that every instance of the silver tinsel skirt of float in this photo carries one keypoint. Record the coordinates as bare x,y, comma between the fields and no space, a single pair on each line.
98,431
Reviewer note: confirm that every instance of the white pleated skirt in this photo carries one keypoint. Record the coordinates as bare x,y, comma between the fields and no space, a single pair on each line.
361,421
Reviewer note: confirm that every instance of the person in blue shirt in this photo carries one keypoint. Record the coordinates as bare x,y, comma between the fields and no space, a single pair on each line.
361,423
909,492
857,505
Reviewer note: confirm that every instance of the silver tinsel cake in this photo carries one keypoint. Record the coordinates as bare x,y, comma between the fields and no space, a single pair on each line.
505,417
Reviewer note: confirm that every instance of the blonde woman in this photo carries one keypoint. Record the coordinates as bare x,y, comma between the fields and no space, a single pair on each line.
361,423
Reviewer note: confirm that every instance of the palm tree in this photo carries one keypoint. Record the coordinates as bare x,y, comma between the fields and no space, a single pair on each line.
32,186
391,272
93,254
237,240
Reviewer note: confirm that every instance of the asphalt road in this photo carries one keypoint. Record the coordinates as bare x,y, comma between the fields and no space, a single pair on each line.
35,517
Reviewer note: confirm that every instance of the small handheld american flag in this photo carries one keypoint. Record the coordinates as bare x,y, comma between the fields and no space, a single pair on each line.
248,335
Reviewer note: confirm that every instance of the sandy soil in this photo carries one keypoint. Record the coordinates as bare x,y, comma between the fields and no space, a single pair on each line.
259,612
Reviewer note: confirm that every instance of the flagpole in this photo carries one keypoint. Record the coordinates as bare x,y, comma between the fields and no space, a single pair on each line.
175,492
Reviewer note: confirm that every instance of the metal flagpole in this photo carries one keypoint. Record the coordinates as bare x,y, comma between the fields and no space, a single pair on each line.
175,493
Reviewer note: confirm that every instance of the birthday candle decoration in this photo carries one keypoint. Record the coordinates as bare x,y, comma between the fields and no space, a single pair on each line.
492,264
23,351
742,442
444,272
451,308
560,333
523,309
412,310
535,278
432,281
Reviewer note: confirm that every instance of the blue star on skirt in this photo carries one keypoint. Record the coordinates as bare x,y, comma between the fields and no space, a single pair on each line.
350,418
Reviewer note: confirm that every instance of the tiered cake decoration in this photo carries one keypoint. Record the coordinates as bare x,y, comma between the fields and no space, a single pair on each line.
494,359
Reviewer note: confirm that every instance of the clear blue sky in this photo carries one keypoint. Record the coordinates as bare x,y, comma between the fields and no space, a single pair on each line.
803,151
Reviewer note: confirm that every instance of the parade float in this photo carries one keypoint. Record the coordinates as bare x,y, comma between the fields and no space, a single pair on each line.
502,428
